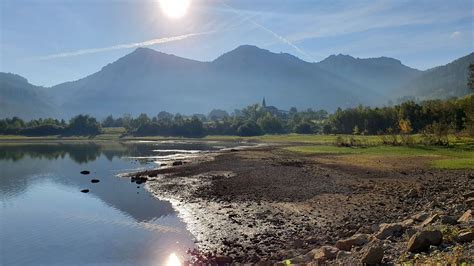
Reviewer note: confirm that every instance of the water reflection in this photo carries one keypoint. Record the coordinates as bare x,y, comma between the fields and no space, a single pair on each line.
45,219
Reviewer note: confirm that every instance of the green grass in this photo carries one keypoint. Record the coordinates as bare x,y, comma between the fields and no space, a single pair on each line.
457,157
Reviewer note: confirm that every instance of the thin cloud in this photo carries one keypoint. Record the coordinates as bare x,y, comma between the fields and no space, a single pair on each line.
455,35
276,35
123,46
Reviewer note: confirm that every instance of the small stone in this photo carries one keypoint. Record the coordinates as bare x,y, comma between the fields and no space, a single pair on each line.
175,163
413,193
324,253
446,219
223,259
373,255
466,217
422,241
420,217
95,181
355,240
470,202
468,195
85,172
85,191
387,230
343,254
466,237
431,219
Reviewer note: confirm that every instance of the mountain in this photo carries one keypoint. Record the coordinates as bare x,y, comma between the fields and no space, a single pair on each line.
150,81
382,75
20,98
441,82
147,81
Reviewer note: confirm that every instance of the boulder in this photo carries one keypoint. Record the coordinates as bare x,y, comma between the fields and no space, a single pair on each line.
175,163
355,240
387,230
466,237
373,255
85,172
466,217
85,191
95,180
422,241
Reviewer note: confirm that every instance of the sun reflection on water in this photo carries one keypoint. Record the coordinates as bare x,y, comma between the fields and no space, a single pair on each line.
173,260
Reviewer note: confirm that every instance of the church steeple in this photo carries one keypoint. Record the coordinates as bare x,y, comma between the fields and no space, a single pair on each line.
264,104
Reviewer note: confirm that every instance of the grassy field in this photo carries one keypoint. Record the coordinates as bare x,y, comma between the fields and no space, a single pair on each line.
460,154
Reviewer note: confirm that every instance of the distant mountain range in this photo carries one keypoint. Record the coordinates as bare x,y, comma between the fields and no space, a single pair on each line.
150,81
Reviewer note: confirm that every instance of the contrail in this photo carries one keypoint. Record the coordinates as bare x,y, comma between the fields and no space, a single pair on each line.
276,35
123,46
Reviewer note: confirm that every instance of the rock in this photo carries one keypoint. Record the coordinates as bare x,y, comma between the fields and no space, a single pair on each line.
431,219
355,240
413,193
470,202
466,217
234,150
422,241
373,255
420,217
343,254
223,259
85,191
298,243
175,163
466,237
95,180
468,195
85,172
387,230
324,253
446,219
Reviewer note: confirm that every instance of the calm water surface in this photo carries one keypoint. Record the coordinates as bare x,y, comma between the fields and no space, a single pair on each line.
45,219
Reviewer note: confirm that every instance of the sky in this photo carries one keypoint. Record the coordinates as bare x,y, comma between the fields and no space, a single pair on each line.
54,41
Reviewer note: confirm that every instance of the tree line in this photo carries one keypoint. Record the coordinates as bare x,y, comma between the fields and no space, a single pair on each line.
454,115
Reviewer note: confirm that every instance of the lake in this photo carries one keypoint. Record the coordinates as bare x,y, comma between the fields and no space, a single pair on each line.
45,218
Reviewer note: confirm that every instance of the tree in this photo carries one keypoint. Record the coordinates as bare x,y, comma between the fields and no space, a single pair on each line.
249,128
303,128
270,124
83,125
108,121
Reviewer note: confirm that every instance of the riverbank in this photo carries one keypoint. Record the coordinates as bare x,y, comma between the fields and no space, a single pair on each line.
277,203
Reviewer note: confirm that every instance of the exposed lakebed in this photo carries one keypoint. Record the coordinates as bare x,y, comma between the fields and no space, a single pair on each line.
45,219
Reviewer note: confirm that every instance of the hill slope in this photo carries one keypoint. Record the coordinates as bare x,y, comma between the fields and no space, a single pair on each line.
381,75
20,98
441,82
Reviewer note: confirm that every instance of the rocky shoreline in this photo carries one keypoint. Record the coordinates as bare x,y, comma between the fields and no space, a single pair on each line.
266,205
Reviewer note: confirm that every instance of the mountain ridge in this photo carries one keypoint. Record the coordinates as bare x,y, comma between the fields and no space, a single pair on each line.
147,80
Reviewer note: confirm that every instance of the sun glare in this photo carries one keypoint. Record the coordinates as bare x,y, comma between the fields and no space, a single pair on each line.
175,8
173,260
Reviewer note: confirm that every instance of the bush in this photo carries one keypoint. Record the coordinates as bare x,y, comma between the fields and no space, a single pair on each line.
42,130
303,128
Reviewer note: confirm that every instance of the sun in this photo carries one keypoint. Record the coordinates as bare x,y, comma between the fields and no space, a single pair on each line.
175,8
